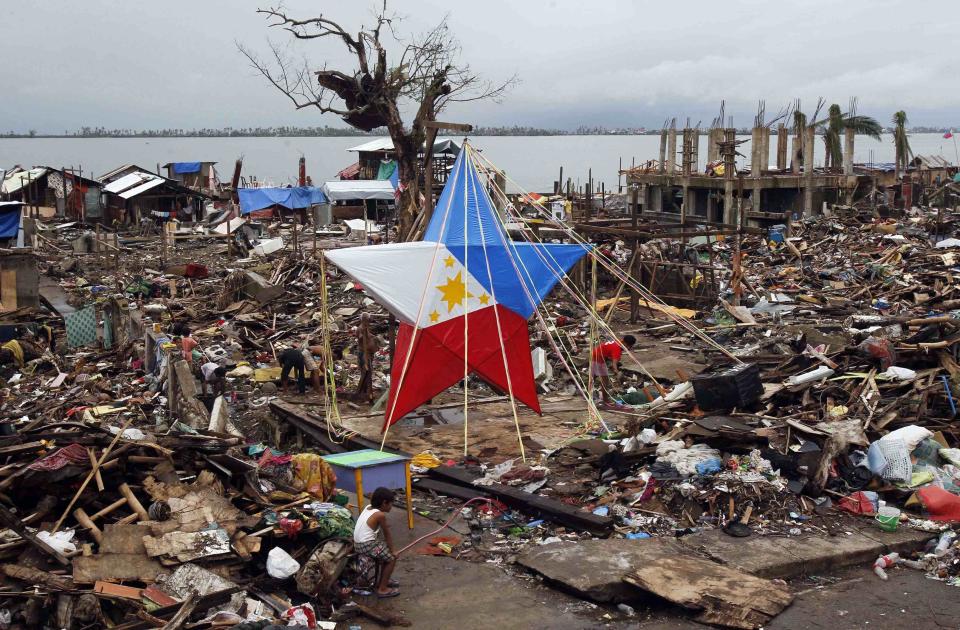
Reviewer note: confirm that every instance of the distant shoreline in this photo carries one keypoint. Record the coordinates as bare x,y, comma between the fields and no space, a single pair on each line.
477,133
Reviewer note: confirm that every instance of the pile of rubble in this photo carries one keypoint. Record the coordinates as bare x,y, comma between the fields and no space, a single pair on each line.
132,498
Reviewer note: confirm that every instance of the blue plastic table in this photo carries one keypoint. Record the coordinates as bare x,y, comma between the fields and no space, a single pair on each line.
372,468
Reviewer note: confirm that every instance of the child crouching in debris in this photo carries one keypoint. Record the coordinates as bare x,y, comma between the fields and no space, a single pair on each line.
214,375
374,544
611,351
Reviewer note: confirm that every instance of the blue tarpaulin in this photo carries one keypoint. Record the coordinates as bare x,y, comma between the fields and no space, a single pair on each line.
182,168
9,220
253,199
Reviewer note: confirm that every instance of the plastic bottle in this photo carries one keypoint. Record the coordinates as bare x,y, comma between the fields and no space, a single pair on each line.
627,610
946,539
809,377
885,562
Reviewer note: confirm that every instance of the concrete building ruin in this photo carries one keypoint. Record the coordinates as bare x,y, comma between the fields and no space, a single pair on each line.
675,190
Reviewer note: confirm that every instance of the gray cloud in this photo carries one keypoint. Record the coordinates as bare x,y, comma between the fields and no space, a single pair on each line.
174,64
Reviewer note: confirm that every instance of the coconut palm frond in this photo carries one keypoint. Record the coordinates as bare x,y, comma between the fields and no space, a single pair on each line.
864,125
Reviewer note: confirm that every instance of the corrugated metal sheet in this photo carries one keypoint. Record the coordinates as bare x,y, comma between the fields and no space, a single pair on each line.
934,161
14,182
359,189
137,190
133,184
441,145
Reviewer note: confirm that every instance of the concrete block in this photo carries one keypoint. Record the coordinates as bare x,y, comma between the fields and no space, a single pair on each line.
595,568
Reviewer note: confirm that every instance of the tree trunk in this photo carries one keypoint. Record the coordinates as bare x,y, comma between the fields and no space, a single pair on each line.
896,160
407,144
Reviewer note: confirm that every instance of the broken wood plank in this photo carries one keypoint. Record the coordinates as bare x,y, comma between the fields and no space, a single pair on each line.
116,566
36,577
167,612
722,595
183,614
8,519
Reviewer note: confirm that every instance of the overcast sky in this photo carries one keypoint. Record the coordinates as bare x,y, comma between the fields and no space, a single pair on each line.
146,64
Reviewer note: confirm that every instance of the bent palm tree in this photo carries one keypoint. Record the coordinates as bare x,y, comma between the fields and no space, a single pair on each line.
901,143
834,126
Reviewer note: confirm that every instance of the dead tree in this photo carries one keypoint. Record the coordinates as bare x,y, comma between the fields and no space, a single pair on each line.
427,74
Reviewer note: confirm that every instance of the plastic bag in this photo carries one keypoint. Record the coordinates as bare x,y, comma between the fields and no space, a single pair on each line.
900,374
911,435
280,565
59,541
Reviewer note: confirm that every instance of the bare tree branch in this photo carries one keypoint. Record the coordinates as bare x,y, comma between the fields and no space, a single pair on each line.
429,75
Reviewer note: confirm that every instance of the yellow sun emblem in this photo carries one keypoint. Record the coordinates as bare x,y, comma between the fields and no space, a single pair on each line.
454,291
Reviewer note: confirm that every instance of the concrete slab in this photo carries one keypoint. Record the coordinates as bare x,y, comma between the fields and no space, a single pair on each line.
763,556
786,557
595,568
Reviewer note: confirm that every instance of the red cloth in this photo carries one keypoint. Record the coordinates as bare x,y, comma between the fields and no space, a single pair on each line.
610,350
75,454
857,503
436,361
940,504
194,270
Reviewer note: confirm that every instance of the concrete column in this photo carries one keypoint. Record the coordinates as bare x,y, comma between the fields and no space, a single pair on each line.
756,147
765,150
695,150
729,166
663,151
714,137
796,160
686,152
671,151
782,140
848,136
808,150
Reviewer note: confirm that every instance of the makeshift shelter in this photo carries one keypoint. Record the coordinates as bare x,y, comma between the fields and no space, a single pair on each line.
141,194
359,189
11,220
270,200
463,296
201,176
55,192
372,154
361,198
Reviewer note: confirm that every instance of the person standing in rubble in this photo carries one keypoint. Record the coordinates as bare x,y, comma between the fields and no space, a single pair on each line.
610,352
292,359
366,348
313,366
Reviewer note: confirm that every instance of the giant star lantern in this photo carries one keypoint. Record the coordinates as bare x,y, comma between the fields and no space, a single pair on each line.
463,296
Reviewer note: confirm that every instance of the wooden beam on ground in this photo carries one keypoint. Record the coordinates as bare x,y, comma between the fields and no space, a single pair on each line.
8,519
544,507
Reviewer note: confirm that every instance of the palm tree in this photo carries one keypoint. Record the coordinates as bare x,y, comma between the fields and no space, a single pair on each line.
901,143
834,126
